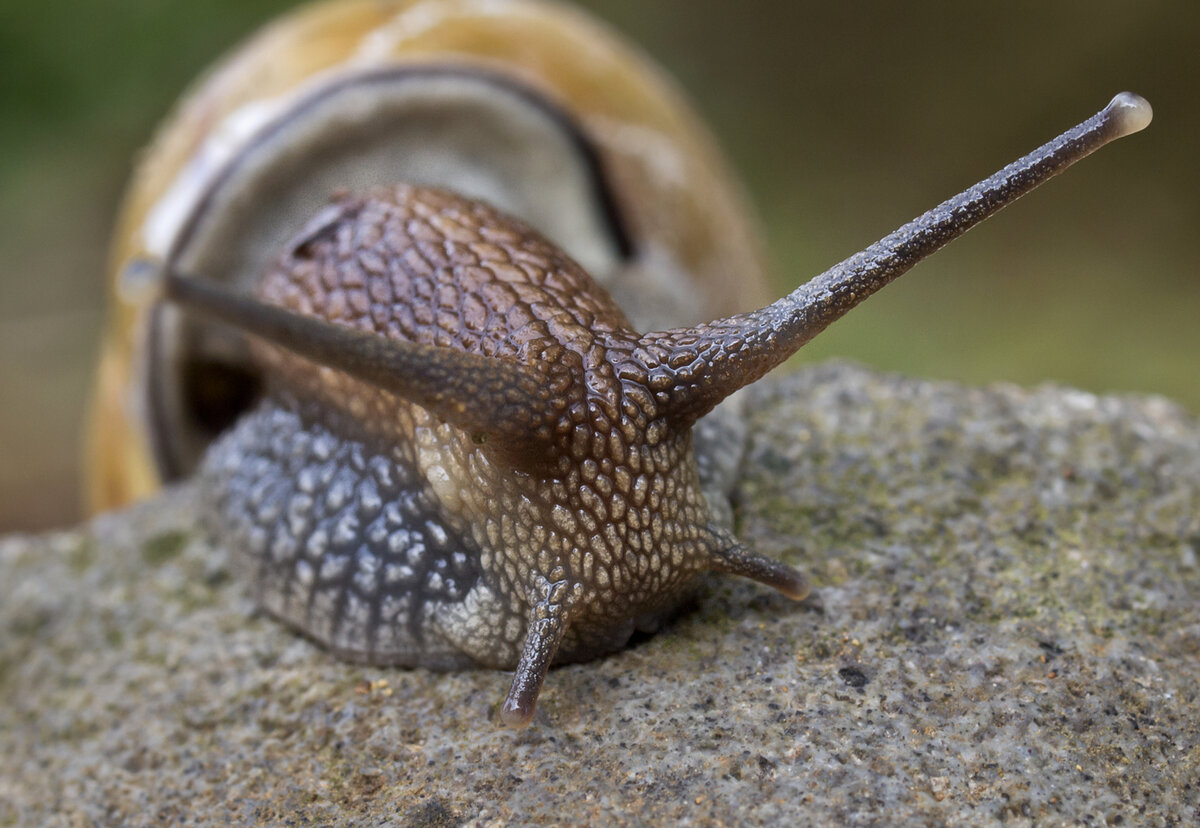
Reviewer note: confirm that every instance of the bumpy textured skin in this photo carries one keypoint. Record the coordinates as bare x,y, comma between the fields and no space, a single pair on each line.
395,537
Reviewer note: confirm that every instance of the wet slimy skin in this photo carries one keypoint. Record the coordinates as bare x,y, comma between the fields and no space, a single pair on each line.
467,455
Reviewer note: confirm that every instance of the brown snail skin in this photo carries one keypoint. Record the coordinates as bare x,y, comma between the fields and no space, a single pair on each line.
466,453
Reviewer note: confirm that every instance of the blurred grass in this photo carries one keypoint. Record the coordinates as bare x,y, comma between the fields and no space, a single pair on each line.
844,119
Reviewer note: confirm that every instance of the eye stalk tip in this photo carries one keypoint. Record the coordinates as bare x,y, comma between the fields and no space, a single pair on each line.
1130,113
142,281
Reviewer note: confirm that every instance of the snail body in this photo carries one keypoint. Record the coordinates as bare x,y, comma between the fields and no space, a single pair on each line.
463,451
395,536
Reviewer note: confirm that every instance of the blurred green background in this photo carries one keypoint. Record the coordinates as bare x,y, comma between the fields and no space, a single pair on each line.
844,119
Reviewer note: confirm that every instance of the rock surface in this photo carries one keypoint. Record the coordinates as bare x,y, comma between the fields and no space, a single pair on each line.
1005,628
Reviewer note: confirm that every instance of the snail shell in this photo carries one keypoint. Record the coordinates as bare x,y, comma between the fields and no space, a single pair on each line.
530,106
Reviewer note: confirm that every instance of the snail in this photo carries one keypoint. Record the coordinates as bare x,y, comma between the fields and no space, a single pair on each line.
383,256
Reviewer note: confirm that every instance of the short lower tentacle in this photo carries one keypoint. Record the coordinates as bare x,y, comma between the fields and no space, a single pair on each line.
735,559
546,628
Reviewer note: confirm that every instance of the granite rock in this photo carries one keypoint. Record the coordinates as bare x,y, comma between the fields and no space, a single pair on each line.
1005,628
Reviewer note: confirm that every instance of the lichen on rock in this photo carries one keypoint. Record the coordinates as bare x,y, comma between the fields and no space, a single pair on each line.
1005,626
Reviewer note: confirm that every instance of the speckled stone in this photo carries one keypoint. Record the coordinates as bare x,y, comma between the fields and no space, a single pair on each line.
1005,627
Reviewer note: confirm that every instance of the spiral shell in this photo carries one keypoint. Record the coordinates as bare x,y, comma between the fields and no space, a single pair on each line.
530,105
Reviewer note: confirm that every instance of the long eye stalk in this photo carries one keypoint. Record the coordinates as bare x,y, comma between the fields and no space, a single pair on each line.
497,399
704,364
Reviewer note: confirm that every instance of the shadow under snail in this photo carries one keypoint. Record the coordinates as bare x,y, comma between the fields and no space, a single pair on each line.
447,444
